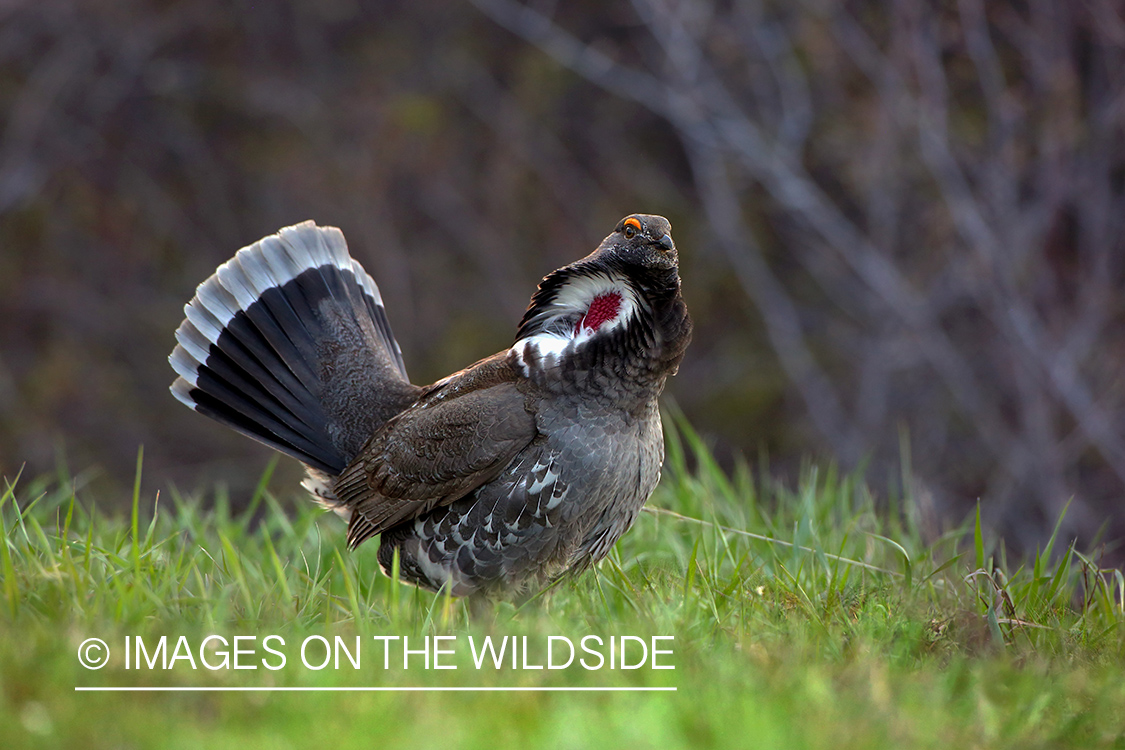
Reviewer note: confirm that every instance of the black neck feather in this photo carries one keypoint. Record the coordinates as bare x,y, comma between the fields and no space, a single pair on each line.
644,351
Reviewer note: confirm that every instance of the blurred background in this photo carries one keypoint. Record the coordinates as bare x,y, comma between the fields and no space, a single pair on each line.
901,223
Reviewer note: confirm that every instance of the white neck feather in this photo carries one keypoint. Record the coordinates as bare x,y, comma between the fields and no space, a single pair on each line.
562,332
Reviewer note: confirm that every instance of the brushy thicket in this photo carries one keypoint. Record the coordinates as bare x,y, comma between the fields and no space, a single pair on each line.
895,219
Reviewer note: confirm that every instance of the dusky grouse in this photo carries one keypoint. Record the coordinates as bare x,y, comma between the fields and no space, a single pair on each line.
527,464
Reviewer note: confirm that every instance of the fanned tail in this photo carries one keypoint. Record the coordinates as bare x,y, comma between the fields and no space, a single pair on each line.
288,343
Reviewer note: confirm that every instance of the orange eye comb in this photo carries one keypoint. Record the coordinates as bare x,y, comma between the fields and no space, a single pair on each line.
631,222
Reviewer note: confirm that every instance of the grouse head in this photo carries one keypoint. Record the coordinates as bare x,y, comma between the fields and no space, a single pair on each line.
622,302
642,241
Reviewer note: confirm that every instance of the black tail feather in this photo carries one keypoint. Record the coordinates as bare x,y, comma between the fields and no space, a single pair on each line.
289,344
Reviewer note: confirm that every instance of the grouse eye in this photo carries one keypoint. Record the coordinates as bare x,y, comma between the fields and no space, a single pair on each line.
632,226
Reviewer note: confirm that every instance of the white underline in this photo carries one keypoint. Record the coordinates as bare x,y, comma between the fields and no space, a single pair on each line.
344,689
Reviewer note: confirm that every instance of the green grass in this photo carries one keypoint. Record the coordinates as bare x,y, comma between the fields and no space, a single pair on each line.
802,617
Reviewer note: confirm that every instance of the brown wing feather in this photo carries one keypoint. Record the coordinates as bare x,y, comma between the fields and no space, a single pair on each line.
452,441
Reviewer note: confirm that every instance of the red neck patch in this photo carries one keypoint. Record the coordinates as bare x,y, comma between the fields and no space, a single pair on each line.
603,309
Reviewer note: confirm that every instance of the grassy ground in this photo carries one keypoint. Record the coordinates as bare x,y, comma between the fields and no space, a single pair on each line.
844,630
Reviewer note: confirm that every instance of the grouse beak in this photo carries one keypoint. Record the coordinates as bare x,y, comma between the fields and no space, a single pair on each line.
666,242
